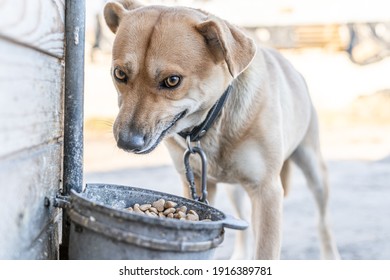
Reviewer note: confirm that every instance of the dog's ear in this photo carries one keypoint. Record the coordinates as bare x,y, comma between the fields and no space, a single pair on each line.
114,11
229,43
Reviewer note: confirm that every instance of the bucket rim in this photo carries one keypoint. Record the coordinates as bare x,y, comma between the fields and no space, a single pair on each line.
226,221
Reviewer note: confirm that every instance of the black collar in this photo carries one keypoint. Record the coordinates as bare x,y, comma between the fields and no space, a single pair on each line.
200,130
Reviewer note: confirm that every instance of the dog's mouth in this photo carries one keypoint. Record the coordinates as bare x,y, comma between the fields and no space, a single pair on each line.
157,139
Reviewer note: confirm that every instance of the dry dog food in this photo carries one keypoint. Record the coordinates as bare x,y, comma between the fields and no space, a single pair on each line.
166,209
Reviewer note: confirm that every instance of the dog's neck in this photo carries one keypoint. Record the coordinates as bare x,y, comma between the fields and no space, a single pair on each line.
242,100
238,109
200,130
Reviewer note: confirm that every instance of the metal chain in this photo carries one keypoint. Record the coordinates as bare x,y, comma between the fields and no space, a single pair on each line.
191,150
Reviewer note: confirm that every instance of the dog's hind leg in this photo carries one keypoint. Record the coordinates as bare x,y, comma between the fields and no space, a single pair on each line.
308,158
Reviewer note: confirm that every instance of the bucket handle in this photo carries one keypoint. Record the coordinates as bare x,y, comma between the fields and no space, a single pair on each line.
234,223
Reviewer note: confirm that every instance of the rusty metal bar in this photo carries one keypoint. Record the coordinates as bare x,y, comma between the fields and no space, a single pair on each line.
73,107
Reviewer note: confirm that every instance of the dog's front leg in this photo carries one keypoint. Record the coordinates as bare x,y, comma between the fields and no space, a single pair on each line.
243,248
267,209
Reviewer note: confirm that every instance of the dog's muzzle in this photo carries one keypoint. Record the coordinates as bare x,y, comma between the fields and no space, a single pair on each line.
130,141
139,143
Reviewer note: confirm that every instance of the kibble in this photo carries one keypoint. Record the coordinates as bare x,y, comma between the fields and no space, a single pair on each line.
169,211
170,215
145,207
192,212
181,214
159,205
170,204
166,209
182,209
192,217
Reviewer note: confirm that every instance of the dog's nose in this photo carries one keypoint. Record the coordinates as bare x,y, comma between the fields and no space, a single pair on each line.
131,141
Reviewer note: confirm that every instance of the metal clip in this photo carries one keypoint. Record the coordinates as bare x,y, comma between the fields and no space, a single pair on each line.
190,174
61,201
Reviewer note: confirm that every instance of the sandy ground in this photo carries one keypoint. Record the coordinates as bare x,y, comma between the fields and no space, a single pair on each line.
355,135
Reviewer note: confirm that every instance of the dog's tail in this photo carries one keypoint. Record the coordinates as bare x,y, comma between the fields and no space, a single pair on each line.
285,175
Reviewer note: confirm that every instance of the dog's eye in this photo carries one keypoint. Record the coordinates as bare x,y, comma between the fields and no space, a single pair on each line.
172,81
120,75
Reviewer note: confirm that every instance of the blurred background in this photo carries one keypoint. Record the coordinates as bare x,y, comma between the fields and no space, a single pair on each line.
342,48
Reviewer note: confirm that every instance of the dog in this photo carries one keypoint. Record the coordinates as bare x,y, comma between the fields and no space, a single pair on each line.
171,65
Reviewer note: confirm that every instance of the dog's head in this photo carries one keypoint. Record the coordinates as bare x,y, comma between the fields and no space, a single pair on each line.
169,66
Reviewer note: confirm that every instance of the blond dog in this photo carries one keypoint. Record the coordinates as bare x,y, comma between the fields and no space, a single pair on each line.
170,65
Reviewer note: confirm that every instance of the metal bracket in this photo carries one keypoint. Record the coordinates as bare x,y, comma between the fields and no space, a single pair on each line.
62,201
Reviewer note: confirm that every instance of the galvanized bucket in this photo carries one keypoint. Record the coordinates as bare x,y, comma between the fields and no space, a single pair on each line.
101,228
